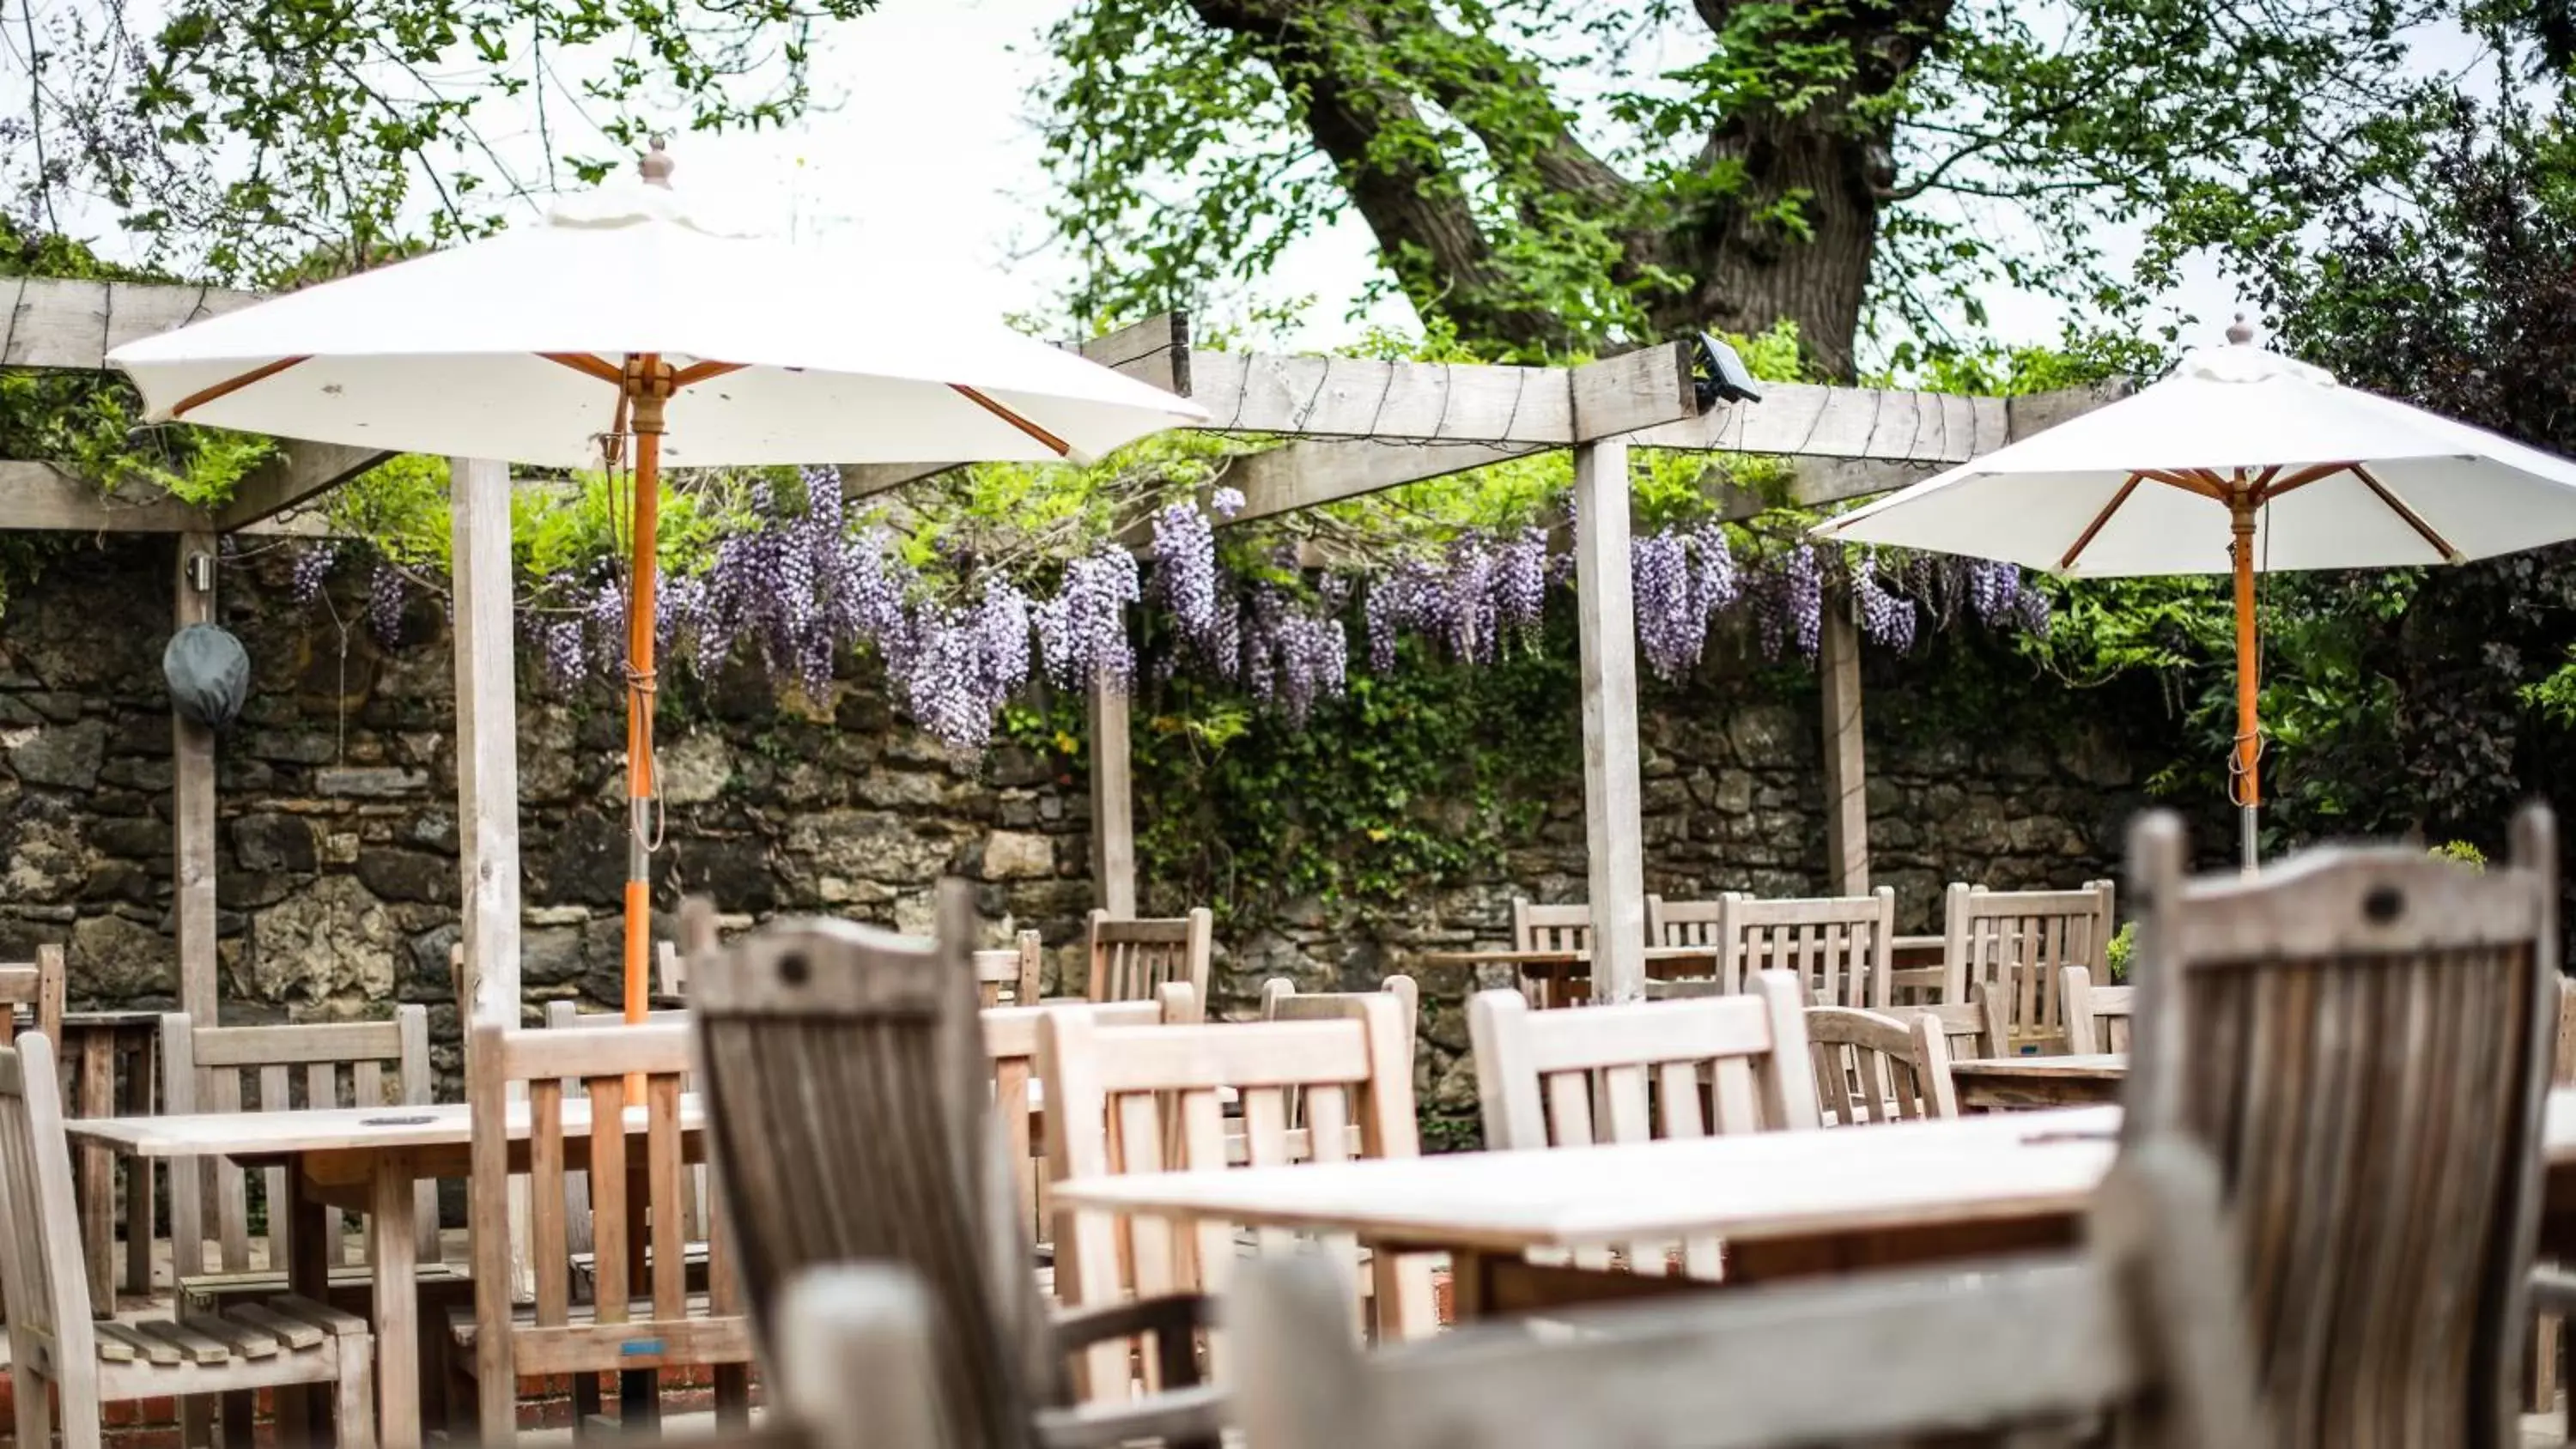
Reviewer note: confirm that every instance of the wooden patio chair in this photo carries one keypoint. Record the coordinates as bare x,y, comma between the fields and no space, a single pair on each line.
1695,1068
1837,945
1878,1067
2015,944
1008,976
1564,927
1130,958
278,1069
2097,1017
849,1108
1011,1051
1282,1001
2140,1325
1124,1100
2362,1037
627,1324
55,1344
38,986
732,1381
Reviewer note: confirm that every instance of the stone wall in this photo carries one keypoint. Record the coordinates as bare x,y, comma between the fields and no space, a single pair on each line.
337,874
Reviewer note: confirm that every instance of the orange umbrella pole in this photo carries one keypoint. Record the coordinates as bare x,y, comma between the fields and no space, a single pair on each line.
649,384
2247,764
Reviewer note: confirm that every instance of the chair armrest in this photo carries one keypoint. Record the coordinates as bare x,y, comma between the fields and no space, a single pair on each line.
1077,1328
2553,1290
1195,1415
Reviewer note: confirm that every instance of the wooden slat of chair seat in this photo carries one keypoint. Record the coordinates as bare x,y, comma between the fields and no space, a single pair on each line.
2141,1327
60,1354
2362,1038
1666,1069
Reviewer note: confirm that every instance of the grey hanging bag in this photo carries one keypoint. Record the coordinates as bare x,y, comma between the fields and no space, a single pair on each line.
209,674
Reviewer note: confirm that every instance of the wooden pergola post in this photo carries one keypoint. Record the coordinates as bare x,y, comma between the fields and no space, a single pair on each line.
1113,803
192,812
1846,774
487,736
1612,817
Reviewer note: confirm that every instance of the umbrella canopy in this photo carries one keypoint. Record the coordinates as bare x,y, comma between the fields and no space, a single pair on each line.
625,317
2242,461
465,352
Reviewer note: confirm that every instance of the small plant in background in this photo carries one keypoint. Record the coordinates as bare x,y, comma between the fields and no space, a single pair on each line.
2460,852
2117,951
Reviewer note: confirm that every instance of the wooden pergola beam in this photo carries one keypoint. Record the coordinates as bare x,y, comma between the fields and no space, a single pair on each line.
72,325
298,472
42,496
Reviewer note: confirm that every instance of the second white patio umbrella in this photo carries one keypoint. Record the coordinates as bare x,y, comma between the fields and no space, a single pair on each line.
624,316
2243,461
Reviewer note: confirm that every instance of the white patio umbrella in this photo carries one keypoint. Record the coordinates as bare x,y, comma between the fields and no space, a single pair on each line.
625,316
2242,461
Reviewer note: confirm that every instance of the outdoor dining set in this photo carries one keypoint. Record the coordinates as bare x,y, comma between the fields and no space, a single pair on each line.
889,1188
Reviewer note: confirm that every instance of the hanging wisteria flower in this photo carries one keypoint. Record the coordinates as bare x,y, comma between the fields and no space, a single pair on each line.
1804,590
1713,577
1226,502
2033,610
1082,631
1671,627
1185,570
1886,617
1993,588
312,567
385,594
1520,585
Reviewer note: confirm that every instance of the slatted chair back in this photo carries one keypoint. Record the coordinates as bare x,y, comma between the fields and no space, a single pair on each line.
1837,945
1692,1068
1009,976
1876,1067
40,1251
568,1016
1150,1099
2362,1036
1550,928
38,986
2017,944
2139,1326
1681,923
277,1069
848,1095
1011,1048
1282,1001
626,1324
1131,958
2097,1017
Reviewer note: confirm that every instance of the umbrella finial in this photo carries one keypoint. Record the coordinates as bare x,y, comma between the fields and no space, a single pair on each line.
657,163
2239,334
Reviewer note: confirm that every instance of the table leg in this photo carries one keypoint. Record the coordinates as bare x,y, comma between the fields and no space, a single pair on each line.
639,1391
96,1097
393,1246
303,1416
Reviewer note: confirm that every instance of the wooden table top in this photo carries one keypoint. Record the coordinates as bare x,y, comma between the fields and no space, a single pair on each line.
1761,1185
285,1134
2101,1066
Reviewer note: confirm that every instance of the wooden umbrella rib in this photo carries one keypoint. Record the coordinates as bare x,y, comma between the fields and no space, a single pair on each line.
701,371
584,362
2413,519
1061,448
232,385
2186,482
2085,539
2267,491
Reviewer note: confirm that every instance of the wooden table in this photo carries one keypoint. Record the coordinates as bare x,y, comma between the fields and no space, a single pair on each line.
2012,1084
1566,976
1786,1204
364,1160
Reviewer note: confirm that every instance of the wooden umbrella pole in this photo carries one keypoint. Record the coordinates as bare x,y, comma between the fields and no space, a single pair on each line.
648,382
2249,742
